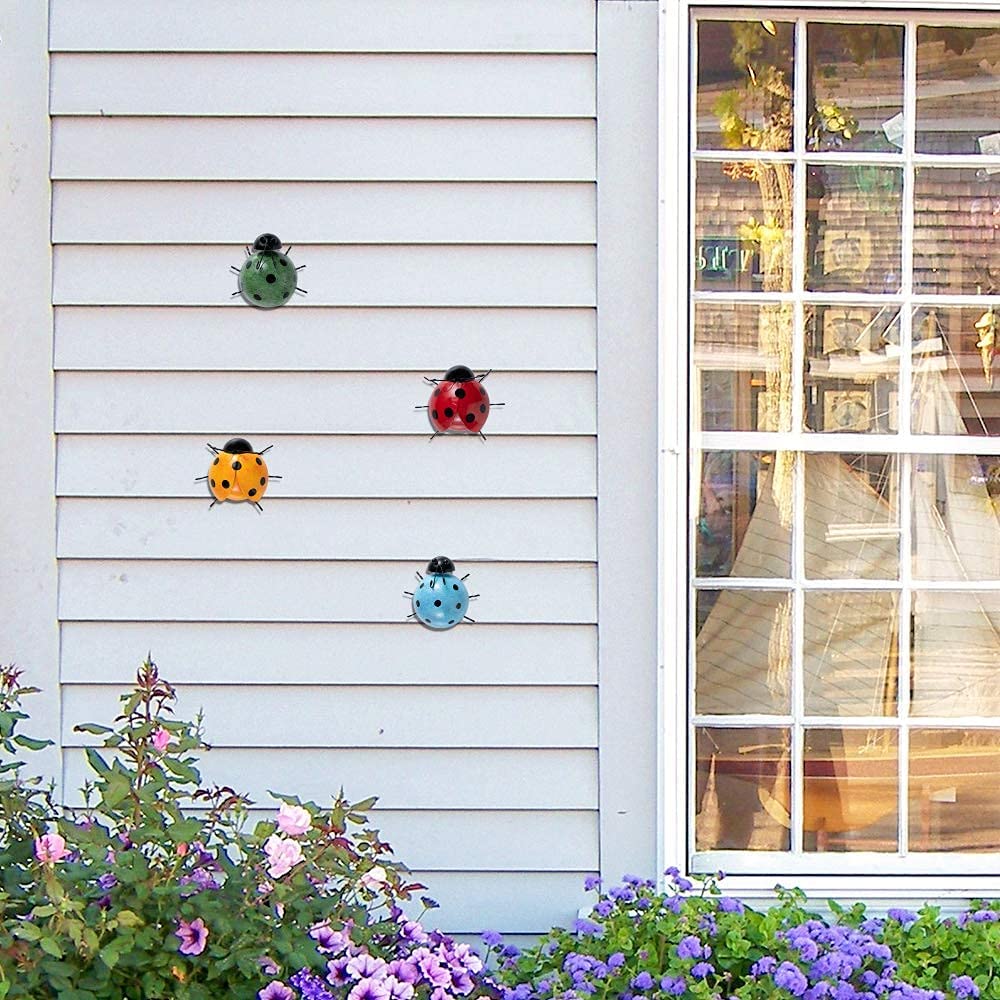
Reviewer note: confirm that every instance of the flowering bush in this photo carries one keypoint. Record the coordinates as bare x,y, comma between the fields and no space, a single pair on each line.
155,888
692,941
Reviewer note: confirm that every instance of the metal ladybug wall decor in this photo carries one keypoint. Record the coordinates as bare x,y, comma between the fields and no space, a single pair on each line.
268,278
441,599
237,473
459,402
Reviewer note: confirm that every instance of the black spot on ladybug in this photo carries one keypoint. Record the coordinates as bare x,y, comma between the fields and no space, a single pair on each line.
437,604
436,392
470,418
285,295
212,481
449,412
452,622
460,393
434,413
454,586
482,407
283,263
237,466
216,462
457,605
271,279
418,604
225,484
253,493
259,462
256,296
263,480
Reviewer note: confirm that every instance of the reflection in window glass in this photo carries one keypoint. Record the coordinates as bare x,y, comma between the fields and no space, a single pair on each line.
856,79
853,228
958,89
956,637
850,782
954,775
850,653
743,652
956,234
852,365
742,789
739,532
852,517
744,96
743,357
743,236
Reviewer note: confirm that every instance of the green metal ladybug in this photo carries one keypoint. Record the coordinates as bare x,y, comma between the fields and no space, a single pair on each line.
268,278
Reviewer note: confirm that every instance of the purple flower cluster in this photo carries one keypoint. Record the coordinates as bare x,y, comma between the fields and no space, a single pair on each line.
428,965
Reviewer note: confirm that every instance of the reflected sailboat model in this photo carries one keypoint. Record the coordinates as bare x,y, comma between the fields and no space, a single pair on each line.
850,652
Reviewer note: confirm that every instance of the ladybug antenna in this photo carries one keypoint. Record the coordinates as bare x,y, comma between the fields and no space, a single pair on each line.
267,241
247,250
420,407
440,565
419,575
407,593
431,381
301,291
459,373
275,477
482,378
212,448
268,448
201,479
235,270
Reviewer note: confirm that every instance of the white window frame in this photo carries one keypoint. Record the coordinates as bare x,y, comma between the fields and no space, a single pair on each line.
887,878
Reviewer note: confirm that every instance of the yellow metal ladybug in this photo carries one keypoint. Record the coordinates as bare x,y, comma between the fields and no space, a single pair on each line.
237,473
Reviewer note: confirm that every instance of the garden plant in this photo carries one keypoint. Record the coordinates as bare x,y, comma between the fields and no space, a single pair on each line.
156,887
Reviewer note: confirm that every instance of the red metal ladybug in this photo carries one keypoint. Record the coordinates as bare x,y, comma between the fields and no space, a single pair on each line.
459,402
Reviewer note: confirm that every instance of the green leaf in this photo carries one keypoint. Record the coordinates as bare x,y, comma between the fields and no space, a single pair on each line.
185,830
128,919
92,727
31,744
26,932
96,761
51,947
181,770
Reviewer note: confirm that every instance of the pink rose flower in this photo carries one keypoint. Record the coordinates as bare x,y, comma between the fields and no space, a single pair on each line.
193,936
282,855
293,820
374,879
160,739
50,847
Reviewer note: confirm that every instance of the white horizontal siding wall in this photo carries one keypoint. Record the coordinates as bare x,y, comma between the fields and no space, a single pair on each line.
433,161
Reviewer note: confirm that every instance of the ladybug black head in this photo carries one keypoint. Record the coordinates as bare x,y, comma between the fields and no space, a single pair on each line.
459,373
237,446
439,565
267,241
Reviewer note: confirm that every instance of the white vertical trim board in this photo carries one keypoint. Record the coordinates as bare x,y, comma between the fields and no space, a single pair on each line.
627,433
28,628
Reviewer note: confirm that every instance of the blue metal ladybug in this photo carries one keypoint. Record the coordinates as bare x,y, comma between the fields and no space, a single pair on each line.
441,599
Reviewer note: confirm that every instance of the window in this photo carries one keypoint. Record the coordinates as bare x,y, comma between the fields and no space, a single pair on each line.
845,413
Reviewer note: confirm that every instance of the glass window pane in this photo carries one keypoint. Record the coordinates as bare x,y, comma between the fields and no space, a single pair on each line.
856,79
953,372
745,85
958,88
743,235
853,227
743,652
850,653
956,517
956,653
738,771
852,363
739,531
850,782
956,231
954,776
852,517
743,357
